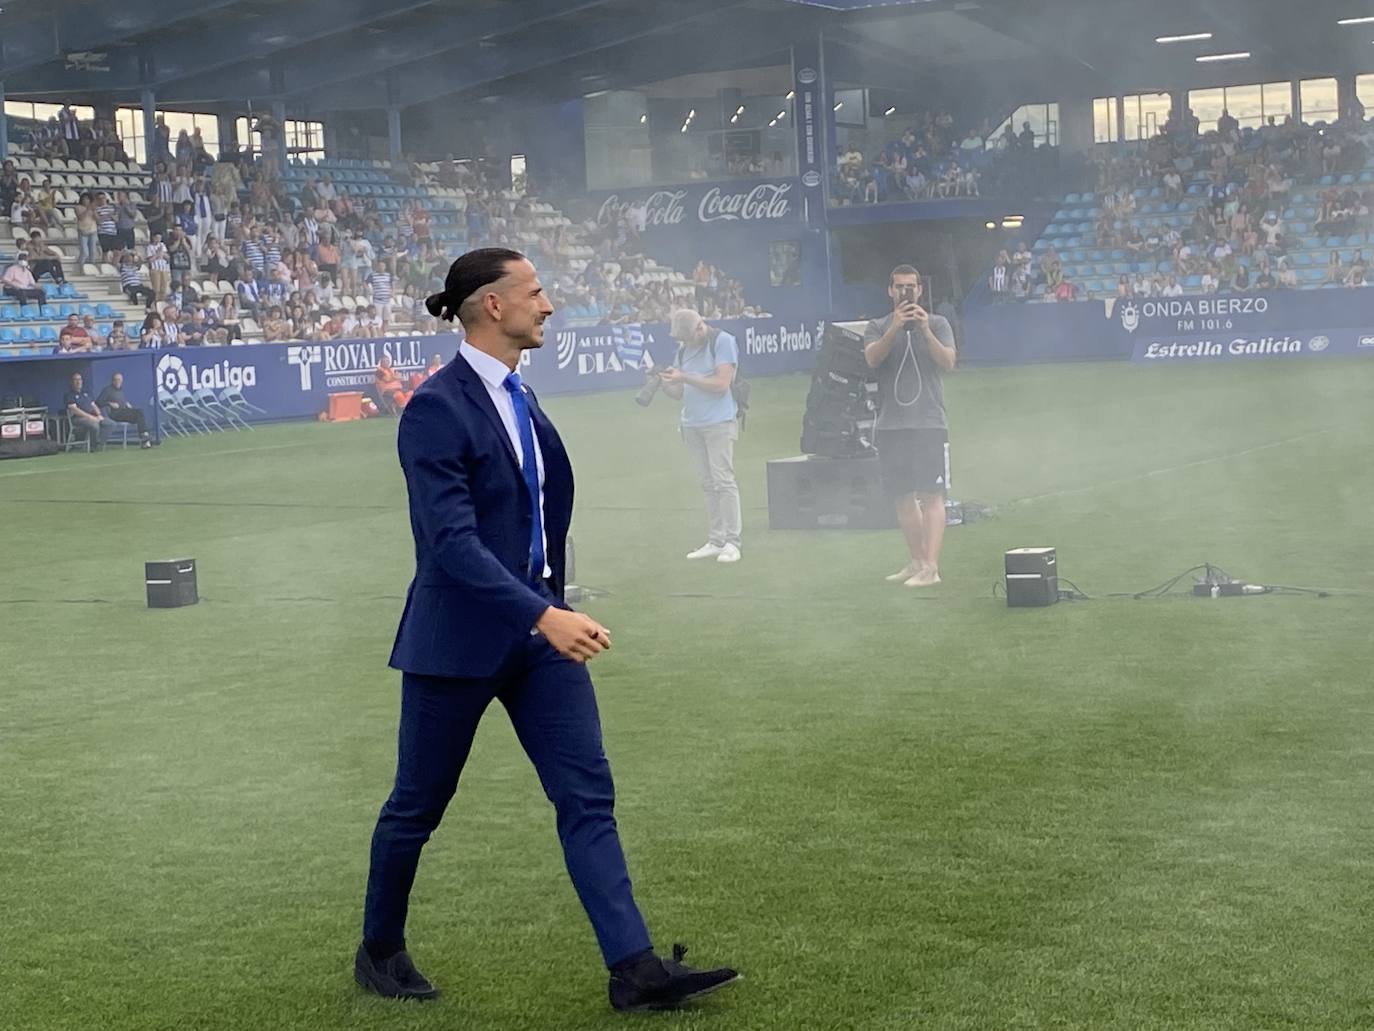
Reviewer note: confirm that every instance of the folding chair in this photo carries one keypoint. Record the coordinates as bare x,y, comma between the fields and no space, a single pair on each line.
172,419
193,407
233,398
186,408
209,402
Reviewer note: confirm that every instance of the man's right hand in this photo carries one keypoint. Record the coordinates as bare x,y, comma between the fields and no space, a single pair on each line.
905,312
572,634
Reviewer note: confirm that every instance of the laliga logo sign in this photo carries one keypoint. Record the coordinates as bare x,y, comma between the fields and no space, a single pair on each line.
765,201
173,375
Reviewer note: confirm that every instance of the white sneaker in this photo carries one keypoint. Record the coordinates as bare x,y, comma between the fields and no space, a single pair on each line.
925,578
729,553
905,573
705,551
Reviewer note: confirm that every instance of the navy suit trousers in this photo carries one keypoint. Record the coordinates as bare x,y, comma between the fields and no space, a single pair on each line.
552,706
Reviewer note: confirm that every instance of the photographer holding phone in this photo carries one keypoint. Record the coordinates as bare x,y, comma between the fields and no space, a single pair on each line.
911,350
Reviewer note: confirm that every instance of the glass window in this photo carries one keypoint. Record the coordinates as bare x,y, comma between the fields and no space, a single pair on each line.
1105,128
1364,90
1251,106
1146,114
129,126
42,112
1207,105
784,263
304,139
1278,100
1319,101
1044,123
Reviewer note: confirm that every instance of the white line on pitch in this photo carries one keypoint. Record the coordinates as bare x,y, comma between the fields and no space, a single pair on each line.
1171,469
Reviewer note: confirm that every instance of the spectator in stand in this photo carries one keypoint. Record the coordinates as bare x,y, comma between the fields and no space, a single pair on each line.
1000,280
87,242
119,338
1288,275
159,268
87,421
132,283
381,284
227,316
44,260
275,328
99,339
1064,291
18,282
1356,275
73,336
126,217
1335,272
116,408
1051,269
179,257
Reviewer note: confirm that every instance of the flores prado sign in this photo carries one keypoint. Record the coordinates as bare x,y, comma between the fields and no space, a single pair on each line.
772,201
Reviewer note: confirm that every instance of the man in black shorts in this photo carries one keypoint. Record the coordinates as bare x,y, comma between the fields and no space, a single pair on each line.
911,351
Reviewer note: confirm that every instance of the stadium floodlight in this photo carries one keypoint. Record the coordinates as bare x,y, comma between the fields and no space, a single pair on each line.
890,111
643,119
780,116
839,105
790,94
1239,55
739,110
1364,20
1189,37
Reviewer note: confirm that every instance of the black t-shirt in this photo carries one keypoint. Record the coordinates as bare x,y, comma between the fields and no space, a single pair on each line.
82,400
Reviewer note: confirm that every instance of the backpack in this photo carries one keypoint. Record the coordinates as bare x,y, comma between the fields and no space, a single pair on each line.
740,388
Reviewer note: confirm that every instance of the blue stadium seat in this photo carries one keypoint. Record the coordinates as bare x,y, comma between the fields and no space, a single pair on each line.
104,311
66,309
9,313
9,335
85,309
48,333
49,311
30,313
28,333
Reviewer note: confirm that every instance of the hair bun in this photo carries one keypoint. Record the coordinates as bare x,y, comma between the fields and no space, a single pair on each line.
437,305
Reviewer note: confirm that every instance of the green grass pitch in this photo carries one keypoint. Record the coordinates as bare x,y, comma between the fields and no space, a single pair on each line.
891,809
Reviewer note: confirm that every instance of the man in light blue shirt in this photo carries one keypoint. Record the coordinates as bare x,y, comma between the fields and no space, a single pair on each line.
701,377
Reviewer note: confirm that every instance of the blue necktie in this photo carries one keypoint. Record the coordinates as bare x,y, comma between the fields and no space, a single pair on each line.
530,467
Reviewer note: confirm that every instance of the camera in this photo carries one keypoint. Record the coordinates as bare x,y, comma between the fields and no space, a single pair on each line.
652,383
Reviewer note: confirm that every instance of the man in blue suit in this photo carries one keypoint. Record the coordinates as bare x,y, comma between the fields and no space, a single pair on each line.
491,497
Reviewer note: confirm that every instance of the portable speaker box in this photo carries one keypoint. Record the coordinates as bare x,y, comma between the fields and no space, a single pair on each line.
171,583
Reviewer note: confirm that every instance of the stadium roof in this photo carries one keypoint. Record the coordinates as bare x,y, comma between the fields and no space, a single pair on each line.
359,54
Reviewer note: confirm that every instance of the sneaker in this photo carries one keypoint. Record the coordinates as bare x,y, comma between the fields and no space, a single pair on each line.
705,551
729,553
925,578
902,575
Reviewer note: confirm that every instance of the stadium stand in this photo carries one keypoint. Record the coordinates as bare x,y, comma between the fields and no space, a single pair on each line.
1287,206
334,248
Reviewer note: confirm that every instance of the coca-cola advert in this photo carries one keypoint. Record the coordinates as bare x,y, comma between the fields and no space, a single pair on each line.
771,202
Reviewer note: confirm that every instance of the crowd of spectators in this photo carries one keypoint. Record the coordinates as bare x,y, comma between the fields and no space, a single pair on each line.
933,159
1237,238
317,262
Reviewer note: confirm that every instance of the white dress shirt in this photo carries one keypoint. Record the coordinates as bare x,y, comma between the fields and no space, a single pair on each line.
493,373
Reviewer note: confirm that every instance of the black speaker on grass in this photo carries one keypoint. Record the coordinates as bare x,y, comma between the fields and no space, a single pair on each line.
171,583
1032,577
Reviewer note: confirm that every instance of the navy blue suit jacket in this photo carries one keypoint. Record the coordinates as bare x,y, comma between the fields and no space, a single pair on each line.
470,604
